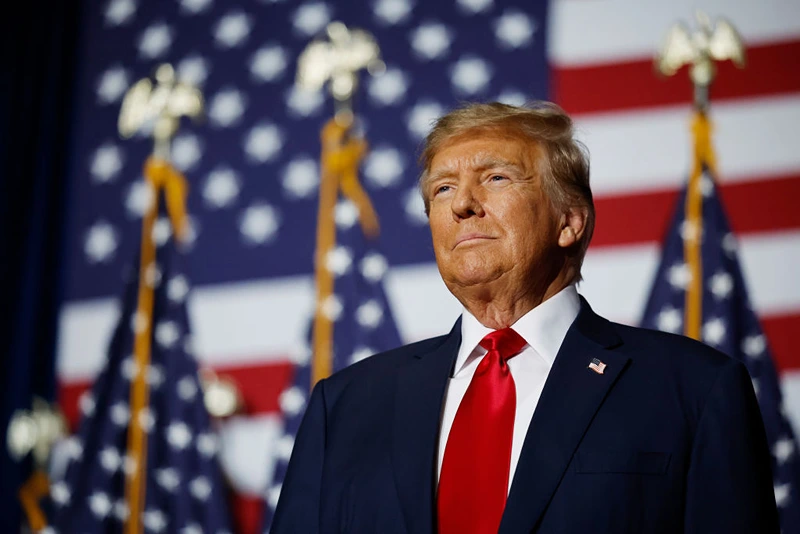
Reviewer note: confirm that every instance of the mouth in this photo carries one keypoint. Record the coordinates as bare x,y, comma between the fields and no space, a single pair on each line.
472,238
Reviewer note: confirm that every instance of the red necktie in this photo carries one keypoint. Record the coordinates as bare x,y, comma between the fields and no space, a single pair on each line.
473,484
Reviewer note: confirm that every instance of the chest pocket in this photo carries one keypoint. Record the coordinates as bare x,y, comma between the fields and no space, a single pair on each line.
624,462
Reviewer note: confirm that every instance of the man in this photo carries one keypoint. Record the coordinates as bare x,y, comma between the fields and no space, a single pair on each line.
533,414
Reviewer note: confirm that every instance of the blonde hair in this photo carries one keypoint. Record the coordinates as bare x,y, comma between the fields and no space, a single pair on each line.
565,169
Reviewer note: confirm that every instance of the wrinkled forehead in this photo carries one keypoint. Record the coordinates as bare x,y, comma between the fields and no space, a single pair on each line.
481,148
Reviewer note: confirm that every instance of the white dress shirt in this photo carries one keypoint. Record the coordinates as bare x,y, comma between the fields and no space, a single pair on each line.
544,329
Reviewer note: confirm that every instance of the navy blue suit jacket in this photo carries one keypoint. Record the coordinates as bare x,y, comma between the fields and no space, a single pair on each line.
668,439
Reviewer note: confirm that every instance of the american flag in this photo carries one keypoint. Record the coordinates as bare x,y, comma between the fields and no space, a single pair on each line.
729,324
254,171
184,488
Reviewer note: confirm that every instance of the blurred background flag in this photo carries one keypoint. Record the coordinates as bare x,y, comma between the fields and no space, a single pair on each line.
145,455
699,290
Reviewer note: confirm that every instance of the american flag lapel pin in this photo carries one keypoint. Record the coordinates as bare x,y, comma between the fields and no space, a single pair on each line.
597,366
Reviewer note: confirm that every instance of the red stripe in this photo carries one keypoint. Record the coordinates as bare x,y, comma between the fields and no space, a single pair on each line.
781,330
752,206
635,84
259,384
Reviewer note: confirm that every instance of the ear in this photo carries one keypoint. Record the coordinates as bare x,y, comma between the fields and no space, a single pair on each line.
573,223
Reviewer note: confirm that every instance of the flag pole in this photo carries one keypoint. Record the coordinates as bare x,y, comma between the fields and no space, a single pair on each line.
341,155
161,176
699,50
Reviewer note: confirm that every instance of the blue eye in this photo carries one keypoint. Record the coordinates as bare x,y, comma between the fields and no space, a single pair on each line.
497,177
442,189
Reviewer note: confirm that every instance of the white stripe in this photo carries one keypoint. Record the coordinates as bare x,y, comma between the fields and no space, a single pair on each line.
790,385
649,150
262,321
583,32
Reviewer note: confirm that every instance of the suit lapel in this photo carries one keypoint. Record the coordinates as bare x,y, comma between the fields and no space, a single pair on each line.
418,405
572,395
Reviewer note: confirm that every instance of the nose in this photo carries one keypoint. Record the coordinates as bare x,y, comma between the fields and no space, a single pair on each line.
466,203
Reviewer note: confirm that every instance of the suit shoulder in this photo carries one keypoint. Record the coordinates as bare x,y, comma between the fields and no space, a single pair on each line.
383,363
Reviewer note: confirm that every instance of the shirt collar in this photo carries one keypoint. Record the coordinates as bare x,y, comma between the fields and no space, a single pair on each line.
543,328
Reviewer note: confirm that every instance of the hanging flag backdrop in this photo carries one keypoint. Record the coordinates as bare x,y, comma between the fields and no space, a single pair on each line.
254,172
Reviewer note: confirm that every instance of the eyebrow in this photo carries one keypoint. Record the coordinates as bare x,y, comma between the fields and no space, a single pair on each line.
479,165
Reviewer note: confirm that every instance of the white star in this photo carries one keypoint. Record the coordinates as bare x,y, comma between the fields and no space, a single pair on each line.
332,307
73,447
721,285
292,401
167,334
193,528
87,404
200,487
119,12
783,450
369,314
146,419
139,198
162,231
679,276
193,70
112,85
374,266
690,231
361,353
106,163
233,29
782,492
415,207
345,214
155,41
207,445
301,177
120,415
186,151
177,288
259,224
121,510
194,7
168,478
155,373
431,40
706,185
154,520
60,493
392,11
284,446
129,368
227,108
110,459
384,166
304,103
178,435
152,275
729,244
100,243
268,63
311,18
128,464
263,143
139,321
714,331
388,88
300,354
512,98
669,319
421,117
187,389
221,188
754,346
100,504
474,6
470,75
338,260
514,29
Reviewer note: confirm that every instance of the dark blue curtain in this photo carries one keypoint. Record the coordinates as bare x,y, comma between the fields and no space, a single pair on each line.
38,45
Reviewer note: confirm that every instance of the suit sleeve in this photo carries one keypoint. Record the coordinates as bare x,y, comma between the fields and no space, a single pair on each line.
729,484
298,509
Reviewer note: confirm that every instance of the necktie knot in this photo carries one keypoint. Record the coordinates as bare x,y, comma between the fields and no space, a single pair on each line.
506,342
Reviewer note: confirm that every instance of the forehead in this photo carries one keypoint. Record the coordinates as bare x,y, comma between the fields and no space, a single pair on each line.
485,148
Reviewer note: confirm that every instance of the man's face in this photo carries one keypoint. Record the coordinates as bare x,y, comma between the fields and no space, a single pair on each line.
489,215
